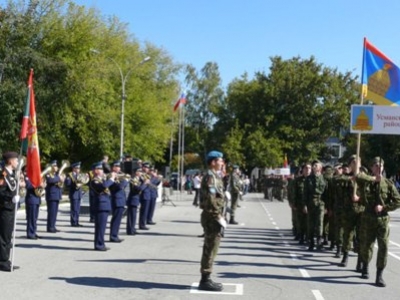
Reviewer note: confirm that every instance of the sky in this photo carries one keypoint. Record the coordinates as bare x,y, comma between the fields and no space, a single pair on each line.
242,35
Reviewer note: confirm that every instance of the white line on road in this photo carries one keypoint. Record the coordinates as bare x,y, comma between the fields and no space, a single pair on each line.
304,273
317,294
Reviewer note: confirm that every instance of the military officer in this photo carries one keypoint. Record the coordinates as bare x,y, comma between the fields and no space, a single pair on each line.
380,196
53,188
118,202
75,193
102,203
8,200
212,220
301,214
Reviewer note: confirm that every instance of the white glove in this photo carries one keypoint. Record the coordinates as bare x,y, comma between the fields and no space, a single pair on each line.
241,193
16,199
228,195
222,222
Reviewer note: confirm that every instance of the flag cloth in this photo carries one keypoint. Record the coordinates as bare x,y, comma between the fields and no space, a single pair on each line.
380,77
181,100
285,162
29,137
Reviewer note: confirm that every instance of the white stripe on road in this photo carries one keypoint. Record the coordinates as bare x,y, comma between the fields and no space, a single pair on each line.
304,273
294,256
317,294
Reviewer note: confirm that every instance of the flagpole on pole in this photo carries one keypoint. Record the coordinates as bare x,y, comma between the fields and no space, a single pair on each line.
183,144
179,181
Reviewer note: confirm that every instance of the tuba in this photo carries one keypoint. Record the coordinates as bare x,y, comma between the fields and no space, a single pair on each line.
64,164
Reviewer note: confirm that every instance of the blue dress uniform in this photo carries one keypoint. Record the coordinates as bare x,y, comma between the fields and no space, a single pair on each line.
133,201
91,199
102,207
32,204
75,194
53,197
145,198
118,202
155,181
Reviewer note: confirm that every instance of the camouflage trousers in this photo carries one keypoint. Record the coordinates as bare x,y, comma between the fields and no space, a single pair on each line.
351,229
373,228
315,219
301,219
234,203
212,238
338,227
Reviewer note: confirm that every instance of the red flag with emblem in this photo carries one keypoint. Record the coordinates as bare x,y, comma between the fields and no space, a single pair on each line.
29,137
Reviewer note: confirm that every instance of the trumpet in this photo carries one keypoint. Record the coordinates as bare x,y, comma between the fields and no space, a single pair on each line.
123,176
82,179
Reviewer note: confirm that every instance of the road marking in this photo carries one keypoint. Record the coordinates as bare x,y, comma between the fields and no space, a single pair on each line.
304,273
294,256
194,289
317,294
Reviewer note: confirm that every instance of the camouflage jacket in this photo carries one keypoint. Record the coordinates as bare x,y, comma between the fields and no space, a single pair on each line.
212,194
314,190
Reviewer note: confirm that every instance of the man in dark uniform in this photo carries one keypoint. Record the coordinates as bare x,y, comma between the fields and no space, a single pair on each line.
145,197
135,189
235,190
155,181
8,200
118,201
75,193
102,204
53,196
212,220
32,203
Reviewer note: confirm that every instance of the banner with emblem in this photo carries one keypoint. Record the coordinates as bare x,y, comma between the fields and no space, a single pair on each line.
29,137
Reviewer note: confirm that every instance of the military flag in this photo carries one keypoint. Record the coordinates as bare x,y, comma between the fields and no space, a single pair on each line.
285,162
29,137
181,100
380,77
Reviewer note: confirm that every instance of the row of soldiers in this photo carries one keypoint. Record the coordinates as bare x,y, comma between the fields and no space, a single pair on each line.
346,205
274,187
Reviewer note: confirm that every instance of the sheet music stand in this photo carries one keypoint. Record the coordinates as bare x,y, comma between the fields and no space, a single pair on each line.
165,198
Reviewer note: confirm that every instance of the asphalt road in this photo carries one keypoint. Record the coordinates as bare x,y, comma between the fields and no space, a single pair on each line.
258,259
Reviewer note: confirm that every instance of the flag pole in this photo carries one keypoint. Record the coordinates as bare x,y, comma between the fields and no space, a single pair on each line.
183,143
179,180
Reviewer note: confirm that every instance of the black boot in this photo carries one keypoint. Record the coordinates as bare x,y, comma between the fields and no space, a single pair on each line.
345,259
332,246
338,251
379,280
232,221
364,271
301,239
311,245
319,243
206,284
359,266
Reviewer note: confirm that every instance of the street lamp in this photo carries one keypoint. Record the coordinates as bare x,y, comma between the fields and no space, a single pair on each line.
124,78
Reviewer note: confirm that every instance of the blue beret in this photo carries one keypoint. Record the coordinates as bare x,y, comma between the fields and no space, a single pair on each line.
98,165
76,165
235,167
116,163
53,162
214,154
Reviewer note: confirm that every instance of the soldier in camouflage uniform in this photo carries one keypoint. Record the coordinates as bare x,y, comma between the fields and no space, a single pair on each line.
337,206
379,197
212,220
328,217
235,190
299,205
290,197
314,189
351,216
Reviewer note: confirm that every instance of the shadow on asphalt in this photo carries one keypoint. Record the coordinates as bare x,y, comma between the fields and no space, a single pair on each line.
108,282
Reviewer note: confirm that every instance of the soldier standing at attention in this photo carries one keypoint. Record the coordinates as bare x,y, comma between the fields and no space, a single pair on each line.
235,191
212,203
380,197
314,189
8,200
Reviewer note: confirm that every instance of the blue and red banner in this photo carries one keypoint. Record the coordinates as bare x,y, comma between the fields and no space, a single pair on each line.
380,77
